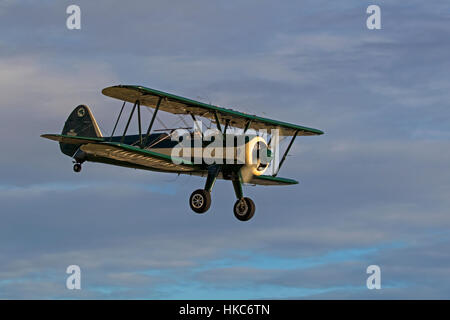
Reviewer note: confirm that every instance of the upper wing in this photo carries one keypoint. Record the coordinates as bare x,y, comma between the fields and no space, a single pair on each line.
179,105
271,181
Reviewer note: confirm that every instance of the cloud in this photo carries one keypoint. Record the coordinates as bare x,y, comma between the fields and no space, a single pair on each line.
373,189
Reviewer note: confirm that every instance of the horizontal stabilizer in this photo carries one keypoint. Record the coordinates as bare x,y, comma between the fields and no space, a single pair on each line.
71,139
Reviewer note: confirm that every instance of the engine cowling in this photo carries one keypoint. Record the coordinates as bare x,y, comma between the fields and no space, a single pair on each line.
257,158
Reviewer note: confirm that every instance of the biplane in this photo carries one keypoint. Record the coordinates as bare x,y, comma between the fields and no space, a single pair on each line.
82,140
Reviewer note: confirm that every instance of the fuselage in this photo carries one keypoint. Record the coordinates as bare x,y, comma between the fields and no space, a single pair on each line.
231,151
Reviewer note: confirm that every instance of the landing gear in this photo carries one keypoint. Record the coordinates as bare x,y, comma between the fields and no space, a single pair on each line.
78,158
77,167
200,200
244,209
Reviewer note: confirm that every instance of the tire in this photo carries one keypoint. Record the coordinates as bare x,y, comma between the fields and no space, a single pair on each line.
244,209
200,201
77,167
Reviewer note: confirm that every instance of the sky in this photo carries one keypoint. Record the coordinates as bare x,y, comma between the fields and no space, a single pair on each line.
374,189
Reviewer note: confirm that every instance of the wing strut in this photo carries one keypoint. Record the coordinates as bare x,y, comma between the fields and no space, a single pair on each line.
196,124
217,121
285,153
139,123
249,122
227,122
129,120
117,121
153,120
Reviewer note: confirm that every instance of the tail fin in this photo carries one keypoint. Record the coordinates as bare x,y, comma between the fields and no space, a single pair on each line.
80,123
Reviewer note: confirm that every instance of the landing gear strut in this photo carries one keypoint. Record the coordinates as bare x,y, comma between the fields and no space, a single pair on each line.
78,158
200,199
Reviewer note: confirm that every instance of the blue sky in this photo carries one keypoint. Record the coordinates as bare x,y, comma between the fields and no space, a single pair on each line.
373,190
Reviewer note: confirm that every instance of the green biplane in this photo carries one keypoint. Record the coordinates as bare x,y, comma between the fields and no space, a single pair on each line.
82,140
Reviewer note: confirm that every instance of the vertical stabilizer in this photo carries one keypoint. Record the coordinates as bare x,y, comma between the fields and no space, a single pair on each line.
80,123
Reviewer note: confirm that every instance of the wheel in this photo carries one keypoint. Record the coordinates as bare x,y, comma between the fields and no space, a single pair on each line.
244,209
200,201
77,167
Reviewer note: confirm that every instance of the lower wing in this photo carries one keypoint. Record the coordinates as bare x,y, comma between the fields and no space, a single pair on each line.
97,149
271,181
